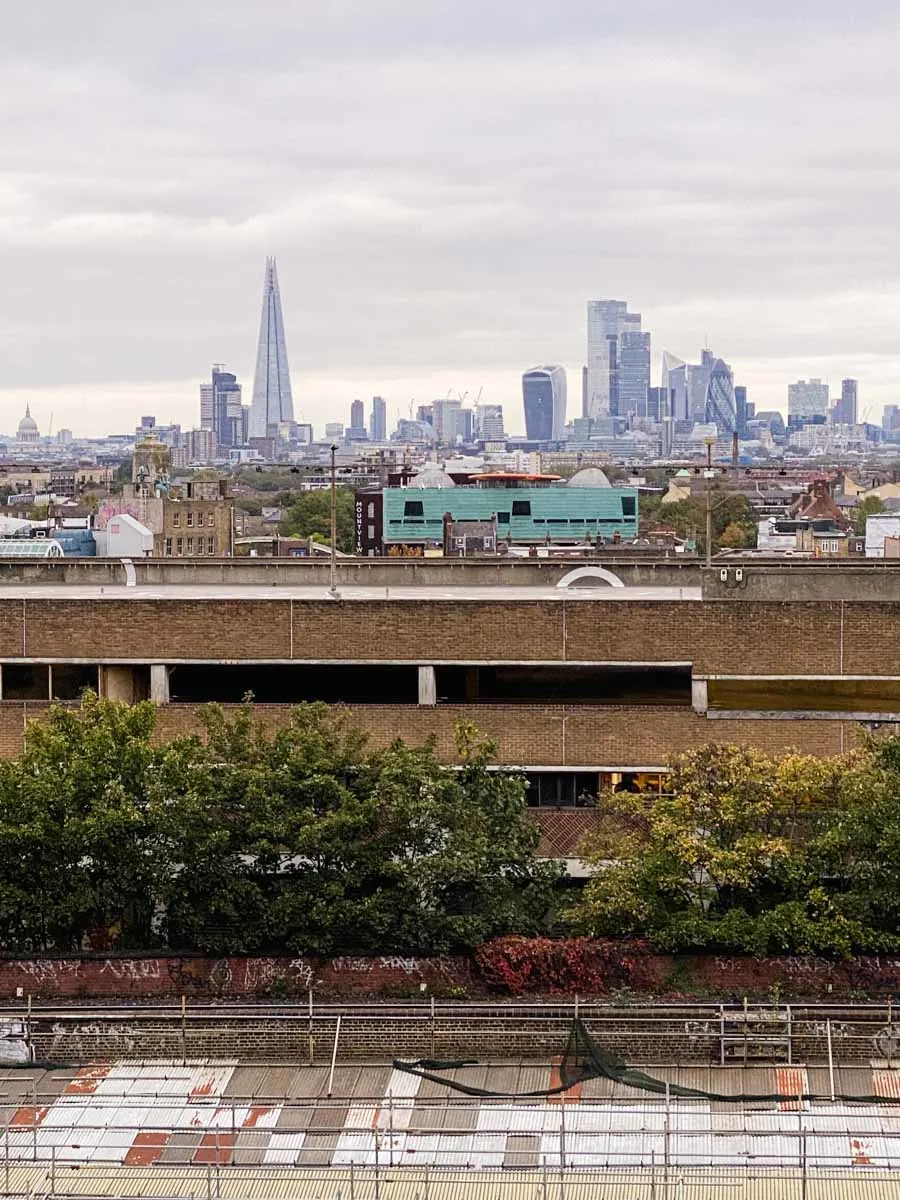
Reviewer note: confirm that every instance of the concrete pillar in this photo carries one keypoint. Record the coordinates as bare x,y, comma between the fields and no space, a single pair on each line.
159,683
699,695
117,683
427,686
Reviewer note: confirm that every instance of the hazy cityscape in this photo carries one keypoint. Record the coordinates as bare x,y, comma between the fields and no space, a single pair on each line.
449,593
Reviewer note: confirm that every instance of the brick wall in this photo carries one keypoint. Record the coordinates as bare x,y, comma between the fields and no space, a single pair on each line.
718,637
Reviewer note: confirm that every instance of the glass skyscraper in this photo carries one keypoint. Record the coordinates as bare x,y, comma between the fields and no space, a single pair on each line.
544,397
607,321
272,401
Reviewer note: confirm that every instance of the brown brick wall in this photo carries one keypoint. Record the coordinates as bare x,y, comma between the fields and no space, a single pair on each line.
527,736
718,637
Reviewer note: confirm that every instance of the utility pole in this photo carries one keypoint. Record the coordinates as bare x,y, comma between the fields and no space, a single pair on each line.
333,572
710,442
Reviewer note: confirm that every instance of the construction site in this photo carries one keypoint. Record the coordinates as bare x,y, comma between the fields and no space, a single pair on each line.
444,1100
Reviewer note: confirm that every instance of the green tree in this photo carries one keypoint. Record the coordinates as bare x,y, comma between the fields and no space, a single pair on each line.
307,841
865,509
310,516
742,855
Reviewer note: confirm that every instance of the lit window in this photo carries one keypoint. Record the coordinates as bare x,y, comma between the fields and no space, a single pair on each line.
371,508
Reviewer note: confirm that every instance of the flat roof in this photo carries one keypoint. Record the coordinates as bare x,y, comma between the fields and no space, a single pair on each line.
280,591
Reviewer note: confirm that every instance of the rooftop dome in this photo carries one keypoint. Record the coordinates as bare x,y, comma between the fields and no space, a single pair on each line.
28,430
431,476
590,477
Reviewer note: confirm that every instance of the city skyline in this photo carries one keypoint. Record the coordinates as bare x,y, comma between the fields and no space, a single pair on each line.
437,216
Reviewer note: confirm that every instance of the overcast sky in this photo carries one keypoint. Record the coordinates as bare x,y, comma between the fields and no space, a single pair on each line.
444,183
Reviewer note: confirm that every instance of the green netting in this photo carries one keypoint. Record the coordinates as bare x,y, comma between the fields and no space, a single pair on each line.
584,1059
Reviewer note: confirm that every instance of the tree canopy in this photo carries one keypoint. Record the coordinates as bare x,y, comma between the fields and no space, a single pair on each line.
302,841
750,852
310,516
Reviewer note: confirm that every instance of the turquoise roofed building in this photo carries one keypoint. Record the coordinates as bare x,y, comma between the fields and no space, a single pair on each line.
529,509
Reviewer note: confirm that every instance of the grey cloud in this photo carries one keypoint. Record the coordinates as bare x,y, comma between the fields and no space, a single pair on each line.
444,186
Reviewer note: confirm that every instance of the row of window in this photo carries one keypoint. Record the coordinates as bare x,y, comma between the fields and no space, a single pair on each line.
187,546
520,508
189,519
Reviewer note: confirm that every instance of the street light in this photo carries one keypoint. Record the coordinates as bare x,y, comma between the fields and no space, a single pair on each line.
333,587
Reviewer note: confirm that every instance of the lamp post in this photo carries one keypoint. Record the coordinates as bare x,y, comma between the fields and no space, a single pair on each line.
333,573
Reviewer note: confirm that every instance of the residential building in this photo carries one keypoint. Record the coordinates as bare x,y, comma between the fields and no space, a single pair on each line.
808,398
357,415
272,400
607,321
378,420
544,400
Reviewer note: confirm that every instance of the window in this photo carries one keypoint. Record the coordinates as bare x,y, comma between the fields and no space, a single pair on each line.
179,546
210,519
502,518
521,508
190,519
628,506
371,508
210,545
371,533
176,519
488,543
199,545
200,519
414,508
190,545
168,549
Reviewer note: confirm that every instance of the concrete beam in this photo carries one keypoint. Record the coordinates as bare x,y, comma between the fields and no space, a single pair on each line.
699,695
427,686
159,683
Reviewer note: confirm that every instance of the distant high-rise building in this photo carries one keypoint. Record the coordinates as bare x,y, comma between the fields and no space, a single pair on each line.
489,422
357,414
607,321
808,398
721,407
446,421
658,404
272,401
334,431
544,398
425,414
584,391
846,410
890,421
740,409
220,407
634,373
674,384
378,420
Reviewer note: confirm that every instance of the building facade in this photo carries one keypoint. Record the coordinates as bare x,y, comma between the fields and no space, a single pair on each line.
273,402
378,420
544,400
607,321
846,411
808,398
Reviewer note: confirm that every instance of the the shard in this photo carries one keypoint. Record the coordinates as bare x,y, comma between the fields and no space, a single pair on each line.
272,402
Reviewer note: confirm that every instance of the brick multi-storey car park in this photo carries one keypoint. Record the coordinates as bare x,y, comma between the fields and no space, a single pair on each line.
578,684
